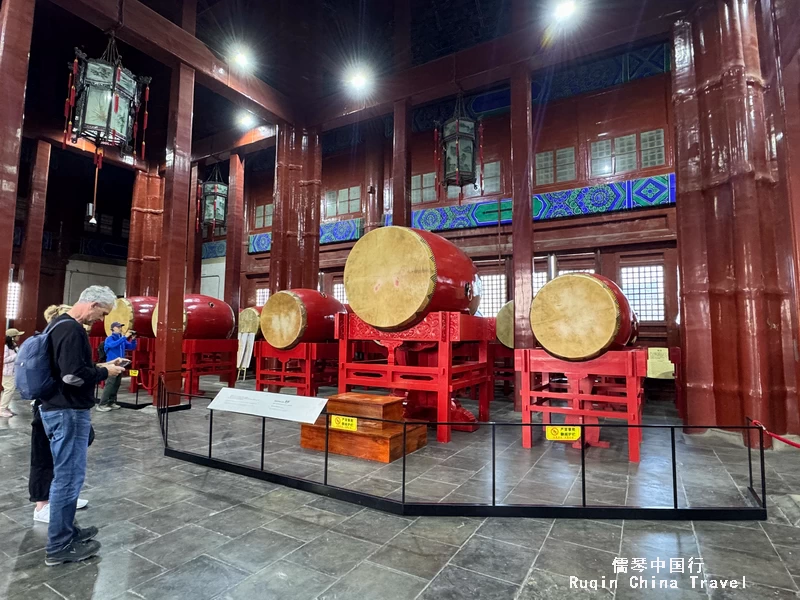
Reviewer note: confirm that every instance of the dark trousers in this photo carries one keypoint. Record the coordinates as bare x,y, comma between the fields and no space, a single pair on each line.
41,475
110,390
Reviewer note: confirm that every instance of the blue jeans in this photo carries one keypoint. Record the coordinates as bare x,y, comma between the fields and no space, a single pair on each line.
68,431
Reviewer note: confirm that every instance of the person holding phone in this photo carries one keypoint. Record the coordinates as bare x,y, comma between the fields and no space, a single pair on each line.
116,345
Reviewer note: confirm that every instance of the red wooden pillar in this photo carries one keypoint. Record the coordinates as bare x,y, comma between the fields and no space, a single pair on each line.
697,357
133,272
671,297
311,203
152,214
31,253
194,249
235,225
16,25
176,216
522,224
373,209
401,164
281,201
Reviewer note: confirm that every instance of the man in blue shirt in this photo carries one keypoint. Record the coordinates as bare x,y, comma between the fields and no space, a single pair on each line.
115,345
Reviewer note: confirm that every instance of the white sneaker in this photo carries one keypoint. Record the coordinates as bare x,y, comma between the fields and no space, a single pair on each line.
103,408
43,516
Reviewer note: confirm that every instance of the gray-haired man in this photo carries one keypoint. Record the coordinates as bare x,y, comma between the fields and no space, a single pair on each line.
66,420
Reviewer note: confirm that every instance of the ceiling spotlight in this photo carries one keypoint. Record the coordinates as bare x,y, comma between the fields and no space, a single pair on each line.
241,58
564,10
246,120
359,81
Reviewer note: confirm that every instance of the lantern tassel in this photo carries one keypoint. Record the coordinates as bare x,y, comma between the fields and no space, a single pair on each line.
144,120
458,162
198,195
436,151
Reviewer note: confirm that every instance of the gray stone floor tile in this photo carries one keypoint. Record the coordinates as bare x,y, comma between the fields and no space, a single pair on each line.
281,581
372,581
448,530
333,554
24,572
724,535
123,535
25,540
454,583
593,534
783,535
336,507
790,555
373,526
543,585
530,533
496,559
414,555
564,558
237,520
180,546
731,564
282,500
759,592
107,577
255,550
40,592
202,578
170,518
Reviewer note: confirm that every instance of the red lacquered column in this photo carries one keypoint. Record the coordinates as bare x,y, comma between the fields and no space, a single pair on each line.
235,235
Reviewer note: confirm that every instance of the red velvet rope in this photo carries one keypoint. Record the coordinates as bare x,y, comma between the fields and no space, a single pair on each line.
776,436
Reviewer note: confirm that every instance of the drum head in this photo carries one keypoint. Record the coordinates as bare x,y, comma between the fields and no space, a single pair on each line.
284,320
505,325
575,316
249,321
154,320
390,277
121,313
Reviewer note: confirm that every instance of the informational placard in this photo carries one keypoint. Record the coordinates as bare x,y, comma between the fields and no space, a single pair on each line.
562,433
344,423
301,409
658,364
133,372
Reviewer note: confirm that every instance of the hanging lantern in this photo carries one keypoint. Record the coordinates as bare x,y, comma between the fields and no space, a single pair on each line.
215,200
458,142
102,106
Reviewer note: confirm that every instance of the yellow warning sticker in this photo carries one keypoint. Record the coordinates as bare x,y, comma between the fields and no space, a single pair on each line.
562,433
344,423
134,372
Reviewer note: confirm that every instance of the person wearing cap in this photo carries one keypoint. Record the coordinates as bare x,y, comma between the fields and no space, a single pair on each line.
9,365
115,346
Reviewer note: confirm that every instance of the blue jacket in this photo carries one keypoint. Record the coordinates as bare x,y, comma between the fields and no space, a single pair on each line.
116,345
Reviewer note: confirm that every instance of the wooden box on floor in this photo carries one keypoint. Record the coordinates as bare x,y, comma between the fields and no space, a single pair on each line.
372,440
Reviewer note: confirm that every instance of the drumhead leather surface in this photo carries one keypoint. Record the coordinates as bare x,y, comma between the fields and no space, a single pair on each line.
505,325
121,313
575,316
249,321
154,320
283,320
390,277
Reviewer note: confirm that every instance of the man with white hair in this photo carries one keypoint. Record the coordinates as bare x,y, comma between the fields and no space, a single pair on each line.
67,421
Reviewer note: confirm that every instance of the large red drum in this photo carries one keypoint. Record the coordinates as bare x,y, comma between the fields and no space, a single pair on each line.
250,320
300,315
204,318
578,316
135,313
97,329
395,276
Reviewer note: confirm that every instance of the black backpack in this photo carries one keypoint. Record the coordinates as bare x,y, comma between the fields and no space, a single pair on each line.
101,352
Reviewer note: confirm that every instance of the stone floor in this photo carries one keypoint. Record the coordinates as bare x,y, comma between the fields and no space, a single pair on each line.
171,529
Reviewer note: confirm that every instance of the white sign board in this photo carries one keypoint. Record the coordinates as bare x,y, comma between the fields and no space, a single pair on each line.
245,355
302,409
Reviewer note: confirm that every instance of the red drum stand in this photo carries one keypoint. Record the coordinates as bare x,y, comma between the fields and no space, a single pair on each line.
142,361
606,387
305,367
502,360
422,362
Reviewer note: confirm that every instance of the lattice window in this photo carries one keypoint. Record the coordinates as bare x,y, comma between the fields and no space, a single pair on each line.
544,168
126,228
107,224
339,293
644,288
565,164
263,216
493,295
602,161
625,154
343,202
12,303
491,178
262,295
423,188
652,145
539,279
